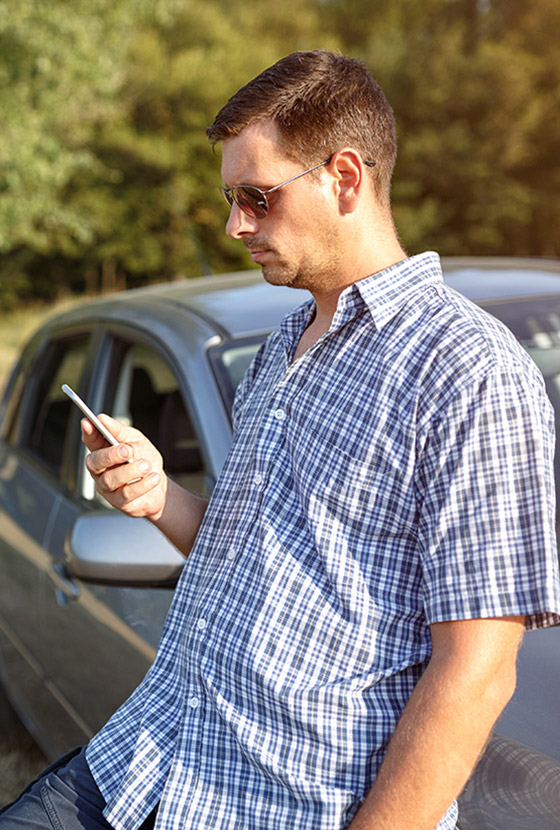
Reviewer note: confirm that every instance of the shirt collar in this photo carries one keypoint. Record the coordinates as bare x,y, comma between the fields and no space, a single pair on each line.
382,294
386,292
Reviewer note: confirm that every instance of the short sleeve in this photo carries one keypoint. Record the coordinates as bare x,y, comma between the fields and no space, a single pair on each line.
485,487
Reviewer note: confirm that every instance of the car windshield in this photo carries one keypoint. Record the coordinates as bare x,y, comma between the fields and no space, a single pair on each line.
536,324
230,362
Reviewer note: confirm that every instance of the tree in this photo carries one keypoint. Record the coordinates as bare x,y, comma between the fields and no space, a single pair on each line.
127,190
159,213
106,177
475,91
60,68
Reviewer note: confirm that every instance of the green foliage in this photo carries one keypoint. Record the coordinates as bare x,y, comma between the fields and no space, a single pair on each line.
106,177
163,214
475,89
59,75
60,72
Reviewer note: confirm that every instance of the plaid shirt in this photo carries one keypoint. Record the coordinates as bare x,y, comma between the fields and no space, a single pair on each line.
398,474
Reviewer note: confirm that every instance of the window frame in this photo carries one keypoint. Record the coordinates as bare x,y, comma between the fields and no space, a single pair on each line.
114,339
26,384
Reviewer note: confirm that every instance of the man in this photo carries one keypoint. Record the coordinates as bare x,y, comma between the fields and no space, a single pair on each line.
344,634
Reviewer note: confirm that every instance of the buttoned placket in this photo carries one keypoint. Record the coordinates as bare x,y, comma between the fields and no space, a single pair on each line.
199,632
194,708
267,449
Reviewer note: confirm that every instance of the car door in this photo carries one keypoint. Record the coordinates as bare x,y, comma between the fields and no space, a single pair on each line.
101,638
32,462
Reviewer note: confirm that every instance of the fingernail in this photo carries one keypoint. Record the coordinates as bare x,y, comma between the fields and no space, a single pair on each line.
143,466
124,452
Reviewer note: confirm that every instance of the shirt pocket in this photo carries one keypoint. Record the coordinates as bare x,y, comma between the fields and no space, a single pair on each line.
367,491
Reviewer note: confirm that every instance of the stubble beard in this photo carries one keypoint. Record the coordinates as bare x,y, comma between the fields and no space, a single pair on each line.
278,272
280,275
316,276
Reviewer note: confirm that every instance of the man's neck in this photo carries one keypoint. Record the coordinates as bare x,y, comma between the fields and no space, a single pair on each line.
326,302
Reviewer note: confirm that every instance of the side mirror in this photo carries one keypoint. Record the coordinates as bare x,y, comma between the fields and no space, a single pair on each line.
110,548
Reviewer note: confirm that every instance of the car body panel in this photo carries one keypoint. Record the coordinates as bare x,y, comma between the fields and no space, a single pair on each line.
77,632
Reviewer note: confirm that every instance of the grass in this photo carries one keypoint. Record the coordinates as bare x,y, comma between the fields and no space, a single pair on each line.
17,326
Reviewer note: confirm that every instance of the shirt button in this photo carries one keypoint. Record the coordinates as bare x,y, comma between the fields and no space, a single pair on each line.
280,414
194,702
257,481
231,554
202,624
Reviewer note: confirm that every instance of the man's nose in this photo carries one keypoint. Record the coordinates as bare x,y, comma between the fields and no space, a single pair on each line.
239,223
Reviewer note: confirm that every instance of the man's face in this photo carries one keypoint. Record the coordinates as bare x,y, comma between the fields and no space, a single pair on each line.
296,243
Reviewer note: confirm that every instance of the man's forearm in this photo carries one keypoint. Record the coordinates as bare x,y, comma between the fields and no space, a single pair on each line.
440,736
181,517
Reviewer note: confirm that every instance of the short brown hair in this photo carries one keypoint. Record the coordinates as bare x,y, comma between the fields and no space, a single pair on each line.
320,103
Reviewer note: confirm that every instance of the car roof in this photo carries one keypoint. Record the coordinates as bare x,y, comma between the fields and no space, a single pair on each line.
235,305
243,304
240,304
493,279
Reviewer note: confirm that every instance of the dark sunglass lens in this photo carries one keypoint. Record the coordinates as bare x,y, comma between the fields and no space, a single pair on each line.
251,201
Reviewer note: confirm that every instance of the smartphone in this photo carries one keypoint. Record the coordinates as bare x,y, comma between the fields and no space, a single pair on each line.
91,416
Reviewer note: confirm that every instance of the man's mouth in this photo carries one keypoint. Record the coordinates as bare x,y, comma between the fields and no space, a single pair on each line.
257,256
257,252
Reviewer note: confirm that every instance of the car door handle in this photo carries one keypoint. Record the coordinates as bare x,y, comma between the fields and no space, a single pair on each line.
66,589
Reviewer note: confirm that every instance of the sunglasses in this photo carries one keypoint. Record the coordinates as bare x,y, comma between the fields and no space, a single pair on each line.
252,200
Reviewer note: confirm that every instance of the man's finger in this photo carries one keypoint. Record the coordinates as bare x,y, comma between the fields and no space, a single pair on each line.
106,457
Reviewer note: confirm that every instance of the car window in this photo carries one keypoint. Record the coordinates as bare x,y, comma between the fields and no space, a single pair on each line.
230,361
45,436
536,324
146,395
12,406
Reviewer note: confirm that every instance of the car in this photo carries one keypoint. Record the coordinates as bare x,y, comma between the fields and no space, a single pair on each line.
84,590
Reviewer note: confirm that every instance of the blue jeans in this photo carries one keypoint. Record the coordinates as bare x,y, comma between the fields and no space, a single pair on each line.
64,797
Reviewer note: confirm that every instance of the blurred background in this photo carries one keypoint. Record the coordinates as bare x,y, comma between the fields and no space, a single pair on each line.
106,177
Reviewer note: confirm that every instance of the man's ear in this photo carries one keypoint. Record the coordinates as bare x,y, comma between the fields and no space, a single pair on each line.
350,173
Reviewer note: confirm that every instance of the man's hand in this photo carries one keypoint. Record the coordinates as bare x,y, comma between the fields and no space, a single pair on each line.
129,476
